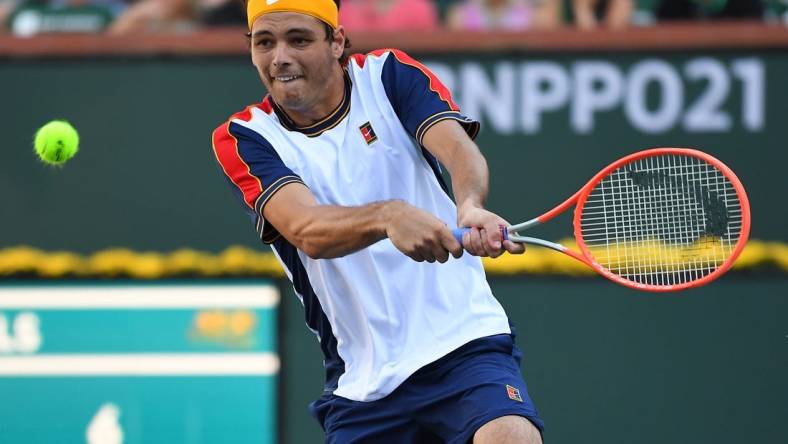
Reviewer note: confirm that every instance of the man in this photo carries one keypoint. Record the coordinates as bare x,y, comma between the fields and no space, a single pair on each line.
339,168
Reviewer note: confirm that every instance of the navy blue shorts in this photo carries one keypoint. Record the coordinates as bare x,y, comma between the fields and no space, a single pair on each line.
446,401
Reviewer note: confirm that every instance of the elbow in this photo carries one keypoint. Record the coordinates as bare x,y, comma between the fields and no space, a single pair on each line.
309,243
314,250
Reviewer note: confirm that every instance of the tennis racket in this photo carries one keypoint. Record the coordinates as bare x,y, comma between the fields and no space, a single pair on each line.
662,219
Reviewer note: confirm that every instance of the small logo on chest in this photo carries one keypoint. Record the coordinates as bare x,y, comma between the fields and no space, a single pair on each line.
368,133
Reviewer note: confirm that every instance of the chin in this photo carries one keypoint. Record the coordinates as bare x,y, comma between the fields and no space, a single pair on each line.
289,100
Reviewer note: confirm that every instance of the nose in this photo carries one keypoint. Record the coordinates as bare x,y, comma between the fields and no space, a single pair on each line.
281,56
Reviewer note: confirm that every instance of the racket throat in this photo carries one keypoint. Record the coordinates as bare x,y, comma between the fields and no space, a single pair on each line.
537,241
524,226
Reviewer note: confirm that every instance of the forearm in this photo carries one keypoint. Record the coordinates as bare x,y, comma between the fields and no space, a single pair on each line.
330,231
469,177
460,155
454,149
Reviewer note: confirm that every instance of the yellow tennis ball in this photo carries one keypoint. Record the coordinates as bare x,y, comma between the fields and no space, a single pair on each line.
56,142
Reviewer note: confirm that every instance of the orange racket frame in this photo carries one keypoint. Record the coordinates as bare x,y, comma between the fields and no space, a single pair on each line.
579,199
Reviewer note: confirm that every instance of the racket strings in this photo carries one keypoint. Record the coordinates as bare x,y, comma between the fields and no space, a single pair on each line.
662,220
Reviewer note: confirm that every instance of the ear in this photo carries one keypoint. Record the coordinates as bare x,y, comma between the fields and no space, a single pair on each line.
338,42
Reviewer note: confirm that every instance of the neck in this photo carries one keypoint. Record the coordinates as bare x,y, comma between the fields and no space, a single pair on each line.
334,93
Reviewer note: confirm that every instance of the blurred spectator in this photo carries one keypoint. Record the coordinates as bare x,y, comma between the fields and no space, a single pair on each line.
503,15
40,16
612,14
709,9
156,16
777,11
6,8
388,15
221,12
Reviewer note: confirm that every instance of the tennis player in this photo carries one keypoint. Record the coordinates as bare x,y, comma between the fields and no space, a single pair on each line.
339,166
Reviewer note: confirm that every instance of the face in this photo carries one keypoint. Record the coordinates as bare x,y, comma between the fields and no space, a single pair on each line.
294,59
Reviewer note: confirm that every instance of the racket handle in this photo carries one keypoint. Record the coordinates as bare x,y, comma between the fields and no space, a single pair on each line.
458,232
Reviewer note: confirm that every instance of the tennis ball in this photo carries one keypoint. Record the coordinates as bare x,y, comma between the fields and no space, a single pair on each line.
56,142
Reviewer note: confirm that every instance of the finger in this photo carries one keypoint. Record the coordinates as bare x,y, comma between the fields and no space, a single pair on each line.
514,247
441,255
436,250
477,246
488,249
426,248
450,244
426,254
416,256
494,237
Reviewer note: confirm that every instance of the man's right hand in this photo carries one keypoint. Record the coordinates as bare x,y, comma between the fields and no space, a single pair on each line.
418,234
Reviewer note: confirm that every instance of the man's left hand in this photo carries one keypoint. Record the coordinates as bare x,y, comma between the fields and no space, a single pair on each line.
484,237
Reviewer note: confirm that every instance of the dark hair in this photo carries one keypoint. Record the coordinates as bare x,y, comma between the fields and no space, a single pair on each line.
329,33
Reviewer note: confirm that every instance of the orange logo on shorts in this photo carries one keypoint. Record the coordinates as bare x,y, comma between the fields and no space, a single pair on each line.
513,393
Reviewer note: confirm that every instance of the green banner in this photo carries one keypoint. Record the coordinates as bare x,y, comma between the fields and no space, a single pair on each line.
107,364
149,410
154,331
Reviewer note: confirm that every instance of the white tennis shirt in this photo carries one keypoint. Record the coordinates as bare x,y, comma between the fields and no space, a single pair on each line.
379,316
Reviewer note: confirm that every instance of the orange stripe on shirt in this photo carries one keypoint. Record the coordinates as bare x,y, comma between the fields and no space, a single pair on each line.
246,114
360,59
225,148
435,84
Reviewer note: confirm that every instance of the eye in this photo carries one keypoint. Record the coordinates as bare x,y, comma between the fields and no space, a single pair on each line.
300,41
264,43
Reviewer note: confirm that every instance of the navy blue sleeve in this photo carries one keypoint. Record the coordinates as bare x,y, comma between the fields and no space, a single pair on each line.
253,169
418,96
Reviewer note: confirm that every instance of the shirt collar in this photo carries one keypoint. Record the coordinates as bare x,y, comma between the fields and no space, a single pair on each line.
330,121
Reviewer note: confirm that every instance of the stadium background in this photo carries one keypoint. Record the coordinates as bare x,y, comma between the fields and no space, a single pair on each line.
144,207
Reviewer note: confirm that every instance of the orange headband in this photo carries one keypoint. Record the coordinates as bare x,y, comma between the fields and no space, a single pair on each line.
324,10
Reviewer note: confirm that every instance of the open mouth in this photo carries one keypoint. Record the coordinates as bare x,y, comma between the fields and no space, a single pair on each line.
287,78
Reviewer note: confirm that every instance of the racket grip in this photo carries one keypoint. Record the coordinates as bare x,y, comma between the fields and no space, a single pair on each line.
458,232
